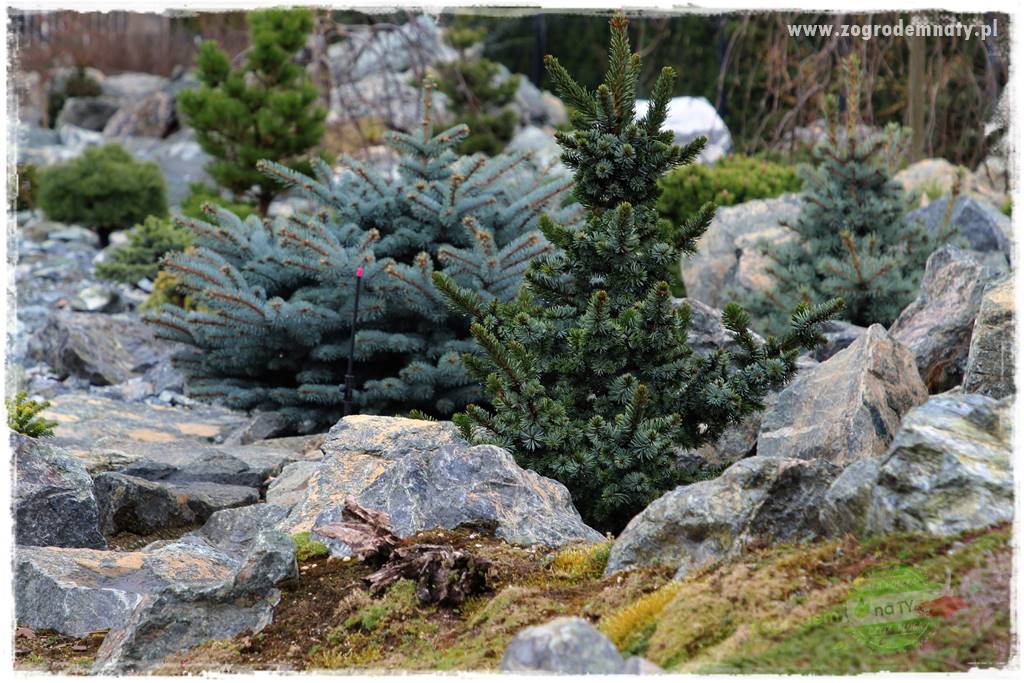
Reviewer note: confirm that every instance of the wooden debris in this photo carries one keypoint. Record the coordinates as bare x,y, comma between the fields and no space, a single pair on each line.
365,531
443,574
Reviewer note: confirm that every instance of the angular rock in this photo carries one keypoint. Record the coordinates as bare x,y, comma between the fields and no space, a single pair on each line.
235,530
152,116
844,508
181,616
140,506
759,498
936,327
213,584
182,161
838,335
423,475
95,299
984,227
568,645
54,504
477,486
132,86
948,471
848,407
105,433
103,349
289,487
990,361
90,113
728,262
77,591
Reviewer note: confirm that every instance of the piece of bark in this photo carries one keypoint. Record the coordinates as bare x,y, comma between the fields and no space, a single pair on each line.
365,531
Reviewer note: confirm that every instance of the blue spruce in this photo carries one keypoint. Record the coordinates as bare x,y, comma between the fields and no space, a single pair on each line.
274,297
853,239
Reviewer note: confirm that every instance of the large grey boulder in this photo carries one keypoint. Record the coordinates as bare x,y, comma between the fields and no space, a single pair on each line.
104,349
848,407
90,113
568,645
154,115
984,227
425,476
728,262
416,44
690,117
990,361
948,471
166,598
132,86
54,504
936,327
758,498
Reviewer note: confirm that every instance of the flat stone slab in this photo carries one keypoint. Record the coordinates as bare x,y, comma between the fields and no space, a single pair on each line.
92,427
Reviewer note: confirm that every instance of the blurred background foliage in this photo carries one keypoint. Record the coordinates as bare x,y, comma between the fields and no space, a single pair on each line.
763,82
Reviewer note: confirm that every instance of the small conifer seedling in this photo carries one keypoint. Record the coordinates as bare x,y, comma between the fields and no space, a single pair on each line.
23,416
589,370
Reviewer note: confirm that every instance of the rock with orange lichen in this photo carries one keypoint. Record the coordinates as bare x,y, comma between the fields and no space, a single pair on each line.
425,476
166,598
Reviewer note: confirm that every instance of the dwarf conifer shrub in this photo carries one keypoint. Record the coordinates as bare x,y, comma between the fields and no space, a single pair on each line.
853,239
104,189
265,109
147,244
731,180
275,298
589,371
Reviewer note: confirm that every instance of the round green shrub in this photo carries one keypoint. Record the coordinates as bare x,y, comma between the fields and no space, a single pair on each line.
104,189
733,180
147,244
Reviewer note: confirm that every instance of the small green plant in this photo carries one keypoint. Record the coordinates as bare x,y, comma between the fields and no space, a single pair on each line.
23,416
308,549
104,189
78,84
200,194
264,110
147,244
27,178
732,180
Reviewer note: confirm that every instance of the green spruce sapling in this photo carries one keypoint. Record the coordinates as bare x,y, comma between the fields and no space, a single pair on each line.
853,239
589,371
23,416
264,110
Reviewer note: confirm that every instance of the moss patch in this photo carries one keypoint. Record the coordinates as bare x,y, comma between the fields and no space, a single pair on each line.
307,549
